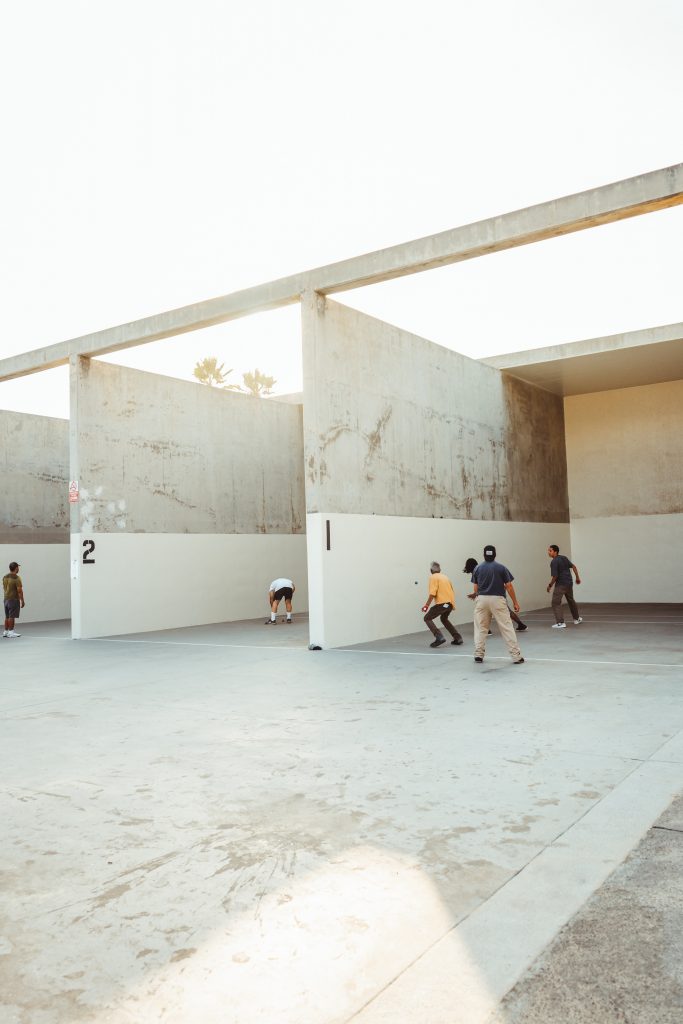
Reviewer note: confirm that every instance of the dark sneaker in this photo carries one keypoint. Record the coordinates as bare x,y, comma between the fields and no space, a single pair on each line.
270,622
478,660
520,661
457,643
439,640
521,628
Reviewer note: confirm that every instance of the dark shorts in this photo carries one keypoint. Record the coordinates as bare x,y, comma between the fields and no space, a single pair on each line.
283,592
12,609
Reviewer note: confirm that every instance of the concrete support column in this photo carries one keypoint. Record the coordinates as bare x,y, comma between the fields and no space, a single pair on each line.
314,541
75,373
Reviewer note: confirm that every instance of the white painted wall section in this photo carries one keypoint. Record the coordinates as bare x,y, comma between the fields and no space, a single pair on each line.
629,559
45,576
373,581
143,582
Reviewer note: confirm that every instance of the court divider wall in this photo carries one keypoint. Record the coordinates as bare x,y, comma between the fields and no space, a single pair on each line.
412,453
190,502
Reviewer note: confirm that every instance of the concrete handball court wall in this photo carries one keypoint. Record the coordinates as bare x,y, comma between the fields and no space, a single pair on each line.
192,497
414,452
34,517
625,469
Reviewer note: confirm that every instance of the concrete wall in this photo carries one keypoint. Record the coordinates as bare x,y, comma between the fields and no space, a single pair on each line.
414,452
396,425
625,473
193,498
159,455
34,469
34,515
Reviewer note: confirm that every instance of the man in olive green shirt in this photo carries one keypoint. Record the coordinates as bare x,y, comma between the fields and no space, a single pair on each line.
441,592
13,593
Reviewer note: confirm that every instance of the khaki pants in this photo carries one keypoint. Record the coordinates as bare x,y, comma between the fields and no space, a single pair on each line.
485,609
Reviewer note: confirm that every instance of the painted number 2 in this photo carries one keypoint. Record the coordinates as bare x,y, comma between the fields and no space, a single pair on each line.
89,546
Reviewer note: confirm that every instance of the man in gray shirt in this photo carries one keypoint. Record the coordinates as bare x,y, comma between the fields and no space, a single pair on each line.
561,570
492,580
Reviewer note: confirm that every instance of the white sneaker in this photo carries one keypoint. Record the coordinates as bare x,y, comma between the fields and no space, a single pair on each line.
11,632
4,632
577,621
559,625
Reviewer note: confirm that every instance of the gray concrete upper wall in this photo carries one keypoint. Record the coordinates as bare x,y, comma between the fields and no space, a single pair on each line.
624,452
396,425
34,468
157,455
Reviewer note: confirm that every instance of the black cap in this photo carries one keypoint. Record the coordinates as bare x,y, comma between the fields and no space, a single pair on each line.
489,552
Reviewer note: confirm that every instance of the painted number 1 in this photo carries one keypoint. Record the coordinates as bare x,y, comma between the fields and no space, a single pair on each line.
89,546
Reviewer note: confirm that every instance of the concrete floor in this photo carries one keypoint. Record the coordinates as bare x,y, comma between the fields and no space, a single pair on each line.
218,825
620,958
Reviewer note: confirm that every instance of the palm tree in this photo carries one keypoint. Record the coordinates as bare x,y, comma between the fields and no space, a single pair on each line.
258,383
209,372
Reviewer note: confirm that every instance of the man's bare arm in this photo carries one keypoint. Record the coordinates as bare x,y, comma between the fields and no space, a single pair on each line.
511,591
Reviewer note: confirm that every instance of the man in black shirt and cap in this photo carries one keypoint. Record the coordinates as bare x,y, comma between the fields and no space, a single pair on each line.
492,580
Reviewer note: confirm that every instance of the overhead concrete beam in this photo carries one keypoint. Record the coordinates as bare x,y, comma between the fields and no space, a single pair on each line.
259,299
618,201
631,197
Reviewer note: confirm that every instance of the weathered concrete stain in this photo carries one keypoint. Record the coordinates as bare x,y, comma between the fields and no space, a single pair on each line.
374,438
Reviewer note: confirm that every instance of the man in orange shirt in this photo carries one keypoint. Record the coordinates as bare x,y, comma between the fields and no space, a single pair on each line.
441,593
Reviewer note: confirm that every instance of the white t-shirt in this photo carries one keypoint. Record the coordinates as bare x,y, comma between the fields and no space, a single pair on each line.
279,584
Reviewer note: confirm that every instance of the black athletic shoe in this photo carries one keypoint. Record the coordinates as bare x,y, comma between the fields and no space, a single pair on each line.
439,640
520,662
457,643
490,632
270,622
478,660
520,629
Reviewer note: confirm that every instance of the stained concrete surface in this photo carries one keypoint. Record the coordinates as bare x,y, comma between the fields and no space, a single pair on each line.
621,958
429,432
218,825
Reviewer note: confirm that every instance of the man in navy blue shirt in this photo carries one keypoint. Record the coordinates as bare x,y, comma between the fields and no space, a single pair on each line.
492,581
561,579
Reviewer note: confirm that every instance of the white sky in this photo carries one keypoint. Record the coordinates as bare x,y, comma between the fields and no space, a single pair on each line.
160,152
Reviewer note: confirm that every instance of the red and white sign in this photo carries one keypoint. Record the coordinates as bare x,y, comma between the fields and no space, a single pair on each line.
73,490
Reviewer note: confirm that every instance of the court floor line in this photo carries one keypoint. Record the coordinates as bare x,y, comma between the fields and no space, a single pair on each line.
496,657
352,650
